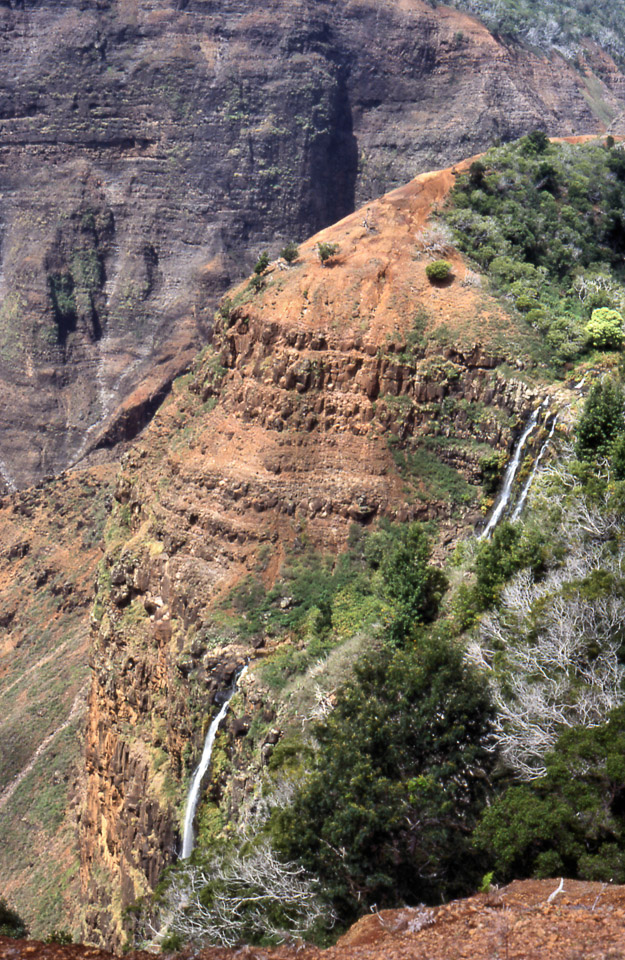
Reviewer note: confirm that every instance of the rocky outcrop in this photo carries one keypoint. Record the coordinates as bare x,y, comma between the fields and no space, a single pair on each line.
332,395
527,919
148,152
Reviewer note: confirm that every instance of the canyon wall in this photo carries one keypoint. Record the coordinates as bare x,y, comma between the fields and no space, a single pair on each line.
333,395
50,546
149,150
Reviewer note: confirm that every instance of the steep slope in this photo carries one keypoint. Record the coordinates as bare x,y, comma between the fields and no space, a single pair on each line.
50,540
149,151
333,395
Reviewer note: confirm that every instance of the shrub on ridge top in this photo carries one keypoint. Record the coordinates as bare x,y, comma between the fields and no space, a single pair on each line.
438,270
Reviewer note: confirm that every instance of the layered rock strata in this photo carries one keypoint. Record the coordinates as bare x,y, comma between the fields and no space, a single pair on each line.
149,151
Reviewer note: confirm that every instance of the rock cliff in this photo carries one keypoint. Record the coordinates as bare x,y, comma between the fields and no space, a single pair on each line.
50,545
149,150
332,395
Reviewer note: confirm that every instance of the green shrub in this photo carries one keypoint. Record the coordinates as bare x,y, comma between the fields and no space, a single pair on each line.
491,470
601,420
566,337
413,587
290,253
617,457
535,143
510,549
256,283
526,303
327,250
508,270
386,814
61,288
225,309
605,329
262,263
438,270
571,822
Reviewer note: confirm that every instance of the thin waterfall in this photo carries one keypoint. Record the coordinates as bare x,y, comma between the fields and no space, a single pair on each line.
188,839
6,476
511,472
526,489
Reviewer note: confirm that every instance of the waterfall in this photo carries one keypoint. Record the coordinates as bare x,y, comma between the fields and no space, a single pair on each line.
511,472
526,489
196,780
6,476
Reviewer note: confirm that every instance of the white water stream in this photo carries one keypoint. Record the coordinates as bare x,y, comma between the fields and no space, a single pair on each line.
511,472
6,476
188,838
526,489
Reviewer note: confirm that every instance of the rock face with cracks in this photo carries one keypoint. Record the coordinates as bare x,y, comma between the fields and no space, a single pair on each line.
148,151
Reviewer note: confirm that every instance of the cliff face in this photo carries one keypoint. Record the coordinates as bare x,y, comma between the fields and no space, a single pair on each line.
334,395
147,152
50,545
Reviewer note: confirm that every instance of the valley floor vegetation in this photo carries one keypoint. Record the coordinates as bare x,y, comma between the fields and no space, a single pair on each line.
478,731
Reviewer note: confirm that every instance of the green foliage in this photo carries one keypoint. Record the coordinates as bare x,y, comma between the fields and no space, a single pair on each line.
571,822
605,329
256,283
413,587
491,470
262,263
511,548
535,143
432,478
11,924
617,457
317,595
327,250
386,813
61,287
601,420
547,222
290,253
438,270
566,337
172,943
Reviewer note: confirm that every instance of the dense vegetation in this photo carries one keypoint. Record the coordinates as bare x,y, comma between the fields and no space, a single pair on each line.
546,222
397,784
555,24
